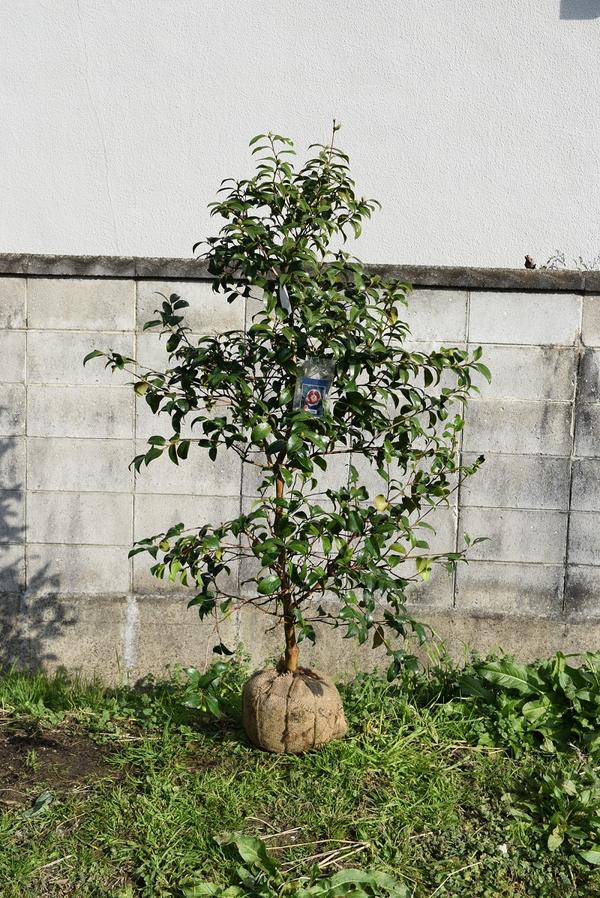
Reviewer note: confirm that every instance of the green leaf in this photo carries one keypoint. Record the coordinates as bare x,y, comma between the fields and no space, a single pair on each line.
212,703
221,649
261,432
183,448
268,585
592,855
510,675
423,568
555,839
40,804
254,852
472,686
483,369
94,354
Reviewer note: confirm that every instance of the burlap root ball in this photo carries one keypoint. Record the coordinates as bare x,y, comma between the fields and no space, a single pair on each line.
292,712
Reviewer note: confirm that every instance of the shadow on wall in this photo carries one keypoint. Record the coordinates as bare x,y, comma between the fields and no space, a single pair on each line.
29,622
579,9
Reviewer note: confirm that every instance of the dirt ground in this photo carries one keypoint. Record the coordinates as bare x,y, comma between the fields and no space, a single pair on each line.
32,758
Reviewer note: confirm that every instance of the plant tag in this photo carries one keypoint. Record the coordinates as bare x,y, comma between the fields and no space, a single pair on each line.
313,385
284,299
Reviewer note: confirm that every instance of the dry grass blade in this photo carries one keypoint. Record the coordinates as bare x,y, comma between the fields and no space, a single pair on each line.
285,832
324,859
454,873
303,844
54,863
264,822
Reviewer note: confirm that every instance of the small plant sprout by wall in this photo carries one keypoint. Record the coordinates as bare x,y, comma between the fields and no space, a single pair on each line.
320,375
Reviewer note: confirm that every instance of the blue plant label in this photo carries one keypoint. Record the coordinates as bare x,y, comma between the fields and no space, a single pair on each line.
313,392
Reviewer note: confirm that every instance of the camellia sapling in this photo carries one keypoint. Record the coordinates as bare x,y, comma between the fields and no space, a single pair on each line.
322,372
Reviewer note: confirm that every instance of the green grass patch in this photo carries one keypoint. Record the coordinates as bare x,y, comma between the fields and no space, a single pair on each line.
138,795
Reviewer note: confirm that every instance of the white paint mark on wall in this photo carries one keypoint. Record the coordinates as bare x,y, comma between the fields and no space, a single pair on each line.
131,634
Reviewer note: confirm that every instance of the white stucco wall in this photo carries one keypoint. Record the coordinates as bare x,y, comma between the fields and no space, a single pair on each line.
475,123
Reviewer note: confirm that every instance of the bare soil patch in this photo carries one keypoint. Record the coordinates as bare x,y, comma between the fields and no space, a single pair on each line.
32,758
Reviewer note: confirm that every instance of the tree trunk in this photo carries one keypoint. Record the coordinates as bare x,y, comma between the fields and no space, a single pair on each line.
290,658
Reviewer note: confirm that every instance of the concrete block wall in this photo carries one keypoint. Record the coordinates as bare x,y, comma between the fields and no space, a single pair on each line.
70,507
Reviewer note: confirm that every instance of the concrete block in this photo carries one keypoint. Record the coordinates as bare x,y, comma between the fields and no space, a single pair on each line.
530,428
590,325
519,589
12,357
146,584
516,534
197,475
55,357
589,376
148,424
99,304
528,638
12,517
14,642
254,304
83,635
436,315
63,411
447,380
208,312
438,592
249,569
585,489
524,318
12,409
151,353
166,267
12,462
517,481
169,634
155,514
77,266
587,430
103,519
77,570
12,302
79,465
529,372
584,538
369,476
12,568
582,591
444,522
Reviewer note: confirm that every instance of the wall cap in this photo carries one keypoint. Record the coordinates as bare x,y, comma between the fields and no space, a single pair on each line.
457,277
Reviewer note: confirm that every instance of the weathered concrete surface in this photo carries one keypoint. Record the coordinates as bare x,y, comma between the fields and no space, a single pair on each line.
519,428
70,507
590,324
442,276
524,318
518,481
80,304
208,312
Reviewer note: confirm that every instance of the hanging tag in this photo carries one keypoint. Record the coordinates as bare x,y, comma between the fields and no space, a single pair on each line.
313,384
284,299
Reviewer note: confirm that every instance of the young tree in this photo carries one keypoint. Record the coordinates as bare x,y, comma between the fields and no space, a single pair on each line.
320,372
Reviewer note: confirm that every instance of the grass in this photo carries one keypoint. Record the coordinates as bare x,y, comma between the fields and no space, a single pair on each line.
409,792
